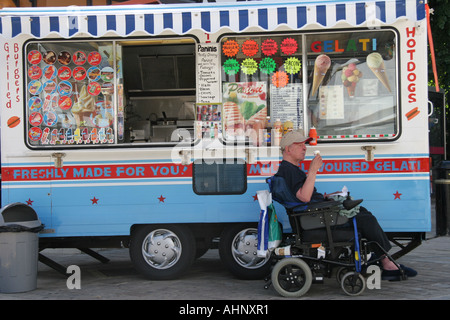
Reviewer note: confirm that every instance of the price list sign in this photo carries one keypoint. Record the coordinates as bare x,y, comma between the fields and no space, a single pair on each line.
286,103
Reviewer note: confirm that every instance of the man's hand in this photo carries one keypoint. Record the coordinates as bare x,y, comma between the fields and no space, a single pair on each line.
316,163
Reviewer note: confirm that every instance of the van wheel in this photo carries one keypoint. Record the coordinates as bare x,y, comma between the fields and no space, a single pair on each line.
162,253
238,252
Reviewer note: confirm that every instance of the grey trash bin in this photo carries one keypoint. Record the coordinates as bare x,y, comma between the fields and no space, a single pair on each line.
19,248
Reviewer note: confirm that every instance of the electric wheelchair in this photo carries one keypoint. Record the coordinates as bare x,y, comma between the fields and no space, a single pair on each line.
322,240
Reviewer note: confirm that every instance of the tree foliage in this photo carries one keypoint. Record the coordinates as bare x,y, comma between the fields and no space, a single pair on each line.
440,29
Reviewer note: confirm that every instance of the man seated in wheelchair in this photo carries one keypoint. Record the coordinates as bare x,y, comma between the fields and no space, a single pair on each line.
301,185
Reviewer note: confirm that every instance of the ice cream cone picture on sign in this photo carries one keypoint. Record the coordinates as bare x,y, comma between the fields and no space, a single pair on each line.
376,64
83,107
350,77
321,66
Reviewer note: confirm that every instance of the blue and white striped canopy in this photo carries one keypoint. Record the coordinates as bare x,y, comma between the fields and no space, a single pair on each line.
96,21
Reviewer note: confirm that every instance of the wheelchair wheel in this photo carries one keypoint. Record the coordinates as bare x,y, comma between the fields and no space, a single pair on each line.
291,277
353,283
341,273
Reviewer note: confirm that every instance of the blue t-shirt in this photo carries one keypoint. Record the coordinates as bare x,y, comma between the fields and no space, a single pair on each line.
295,178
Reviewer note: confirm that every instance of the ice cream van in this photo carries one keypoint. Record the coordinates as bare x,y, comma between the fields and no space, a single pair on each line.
153,126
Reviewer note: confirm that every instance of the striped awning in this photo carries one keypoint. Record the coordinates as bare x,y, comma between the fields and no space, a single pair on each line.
210,18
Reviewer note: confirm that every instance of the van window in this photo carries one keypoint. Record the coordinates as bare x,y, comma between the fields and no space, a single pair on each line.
352,85
342,83
159,79
99,93
219,176
71,89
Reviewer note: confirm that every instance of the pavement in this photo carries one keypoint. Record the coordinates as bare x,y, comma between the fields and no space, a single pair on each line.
209,280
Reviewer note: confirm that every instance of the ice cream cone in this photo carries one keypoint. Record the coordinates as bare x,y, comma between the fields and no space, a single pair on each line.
376,64
350,77
77,119
321,66
382,76
351,91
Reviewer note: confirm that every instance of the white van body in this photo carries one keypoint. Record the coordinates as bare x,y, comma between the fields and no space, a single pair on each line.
119,123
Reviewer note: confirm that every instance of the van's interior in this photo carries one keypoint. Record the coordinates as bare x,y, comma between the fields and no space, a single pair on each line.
159,83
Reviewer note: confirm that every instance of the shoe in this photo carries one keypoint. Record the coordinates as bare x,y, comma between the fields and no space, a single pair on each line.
396,275
391,275
410,273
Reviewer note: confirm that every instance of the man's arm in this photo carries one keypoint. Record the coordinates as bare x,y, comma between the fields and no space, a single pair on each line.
305,192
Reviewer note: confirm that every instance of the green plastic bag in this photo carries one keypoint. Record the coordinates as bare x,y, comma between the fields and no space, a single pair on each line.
275,232
343,212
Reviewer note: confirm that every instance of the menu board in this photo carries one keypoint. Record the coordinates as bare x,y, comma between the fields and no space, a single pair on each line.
208,73
286,103
69,94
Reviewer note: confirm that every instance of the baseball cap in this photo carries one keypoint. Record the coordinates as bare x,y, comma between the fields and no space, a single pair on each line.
291,137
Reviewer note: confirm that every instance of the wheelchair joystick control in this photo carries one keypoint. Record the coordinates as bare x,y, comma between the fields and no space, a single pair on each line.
349,203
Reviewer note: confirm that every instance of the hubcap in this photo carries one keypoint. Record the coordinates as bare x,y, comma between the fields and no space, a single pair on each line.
161,249
244,249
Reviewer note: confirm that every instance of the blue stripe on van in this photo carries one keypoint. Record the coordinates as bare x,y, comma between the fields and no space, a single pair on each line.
301,16
149,23
73,24
186,19
167,21
92,25
243,19
282,15
381,11
206,21
130,23
16,26
340,12
400,8
35,27
224,18
262,18
110,22
321,12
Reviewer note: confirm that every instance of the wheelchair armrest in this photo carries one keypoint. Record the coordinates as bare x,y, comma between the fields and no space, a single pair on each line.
318,215
314,206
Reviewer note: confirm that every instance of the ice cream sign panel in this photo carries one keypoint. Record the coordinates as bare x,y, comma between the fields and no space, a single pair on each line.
69,95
